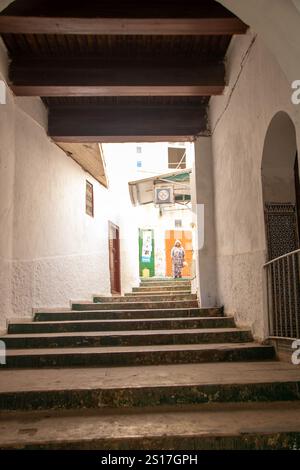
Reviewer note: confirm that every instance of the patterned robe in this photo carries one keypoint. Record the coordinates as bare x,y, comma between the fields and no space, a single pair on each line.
177,260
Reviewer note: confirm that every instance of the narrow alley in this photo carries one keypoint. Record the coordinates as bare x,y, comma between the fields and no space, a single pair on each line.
150,225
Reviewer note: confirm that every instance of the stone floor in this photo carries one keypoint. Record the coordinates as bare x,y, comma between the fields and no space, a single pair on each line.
259,426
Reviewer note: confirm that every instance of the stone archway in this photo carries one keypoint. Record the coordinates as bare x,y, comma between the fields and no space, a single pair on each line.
279,188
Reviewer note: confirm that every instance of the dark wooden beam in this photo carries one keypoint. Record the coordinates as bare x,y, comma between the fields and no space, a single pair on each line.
80,77
151,90
103,123
120,139
121,26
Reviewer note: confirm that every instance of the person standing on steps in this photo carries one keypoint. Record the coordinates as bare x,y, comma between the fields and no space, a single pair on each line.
177,254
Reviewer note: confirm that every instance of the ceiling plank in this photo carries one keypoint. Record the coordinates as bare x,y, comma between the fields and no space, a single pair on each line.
94,123
121,26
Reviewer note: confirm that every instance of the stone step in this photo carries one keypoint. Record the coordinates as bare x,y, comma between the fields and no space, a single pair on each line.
169,293
115,325
165,284
128,298
185,288
164,280
137,305
73,315
127,338
155,386
202,427
138,355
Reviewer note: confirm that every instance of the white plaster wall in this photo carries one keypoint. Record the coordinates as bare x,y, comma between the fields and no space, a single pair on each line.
7,170
60,253
203,207
277,23
258,89
121,164
50,250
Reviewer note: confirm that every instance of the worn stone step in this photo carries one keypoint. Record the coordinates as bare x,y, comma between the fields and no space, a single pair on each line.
125,387
165,284
202,427
127,338
141,289
164,294
165,279
138,355
137,305
46,315
114,325
146,298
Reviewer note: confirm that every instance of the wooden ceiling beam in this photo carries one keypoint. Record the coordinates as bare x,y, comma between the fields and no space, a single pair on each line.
121,26
150,90
79,77
96,123
120,139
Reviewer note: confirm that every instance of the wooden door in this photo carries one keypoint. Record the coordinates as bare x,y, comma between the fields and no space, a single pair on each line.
114,258
186,238
147,263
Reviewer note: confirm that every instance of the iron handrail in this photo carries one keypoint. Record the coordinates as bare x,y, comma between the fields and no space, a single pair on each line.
281,257
283,295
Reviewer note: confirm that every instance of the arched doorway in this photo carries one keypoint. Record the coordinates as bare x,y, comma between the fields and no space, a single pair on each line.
280,186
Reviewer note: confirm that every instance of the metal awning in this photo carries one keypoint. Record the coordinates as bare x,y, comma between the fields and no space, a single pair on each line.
142,191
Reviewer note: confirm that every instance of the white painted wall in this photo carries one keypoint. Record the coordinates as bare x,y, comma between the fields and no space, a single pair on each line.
50,250
258,89
203,206
277,23
7,170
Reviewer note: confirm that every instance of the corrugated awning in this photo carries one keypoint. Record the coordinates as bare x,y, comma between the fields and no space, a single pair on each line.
142,191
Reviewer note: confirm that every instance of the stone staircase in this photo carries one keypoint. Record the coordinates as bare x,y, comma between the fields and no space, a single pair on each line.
149,370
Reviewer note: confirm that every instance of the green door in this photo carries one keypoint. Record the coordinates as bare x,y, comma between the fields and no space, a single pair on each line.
146,252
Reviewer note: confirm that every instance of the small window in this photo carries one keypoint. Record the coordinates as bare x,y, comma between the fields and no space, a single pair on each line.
139,164
89,199
139,149
178,223
176,158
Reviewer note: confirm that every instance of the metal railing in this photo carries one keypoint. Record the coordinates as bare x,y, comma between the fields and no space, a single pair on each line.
283,295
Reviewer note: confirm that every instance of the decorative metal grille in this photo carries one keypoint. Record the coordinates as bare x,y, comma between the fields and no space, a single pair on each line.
282,231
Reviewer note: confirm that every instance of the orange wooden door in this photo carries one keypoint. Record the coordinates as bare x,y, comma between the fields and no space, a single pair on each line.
185,236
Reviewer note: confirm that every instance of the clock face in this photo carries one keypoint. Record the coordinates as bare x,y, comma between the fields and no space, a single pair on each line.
163,195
